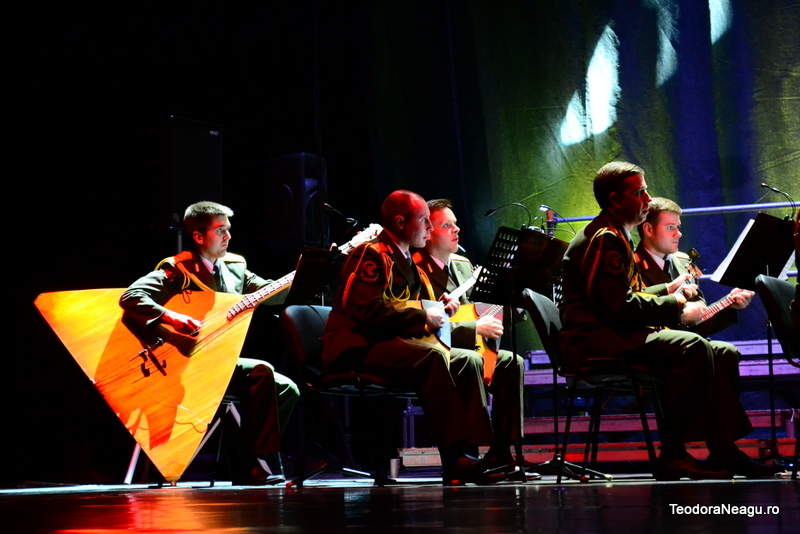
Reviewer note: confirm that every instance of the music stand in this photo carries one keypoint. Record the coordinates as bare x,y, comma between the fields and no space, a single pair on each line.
316,277
765,246
520,259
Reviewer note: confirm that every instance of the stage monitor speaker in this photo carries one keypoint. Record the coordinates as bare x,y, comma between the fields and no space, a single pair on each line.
296,187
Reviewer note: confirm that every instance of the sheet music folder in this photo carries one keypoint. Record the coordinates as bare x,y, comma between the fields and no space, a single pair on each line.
765,246
518,259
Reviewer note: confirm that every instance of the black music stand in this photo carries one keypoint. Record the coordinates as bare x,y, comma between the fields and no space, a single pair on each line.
316,277
520,259
765,246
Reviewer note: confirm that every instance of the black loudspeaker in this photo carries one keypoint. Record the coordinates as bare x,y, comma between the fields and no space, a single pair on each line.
191,166
296,187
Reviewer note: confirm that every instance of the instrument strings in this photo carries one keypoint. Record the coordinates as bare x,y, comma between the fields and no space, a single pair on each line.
168,349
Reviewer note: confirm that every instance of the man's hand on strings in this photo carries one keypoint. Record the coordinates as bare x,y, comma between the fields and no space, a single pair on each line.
450,305
489,326
690,290
741,298
182,324
693,312
435,317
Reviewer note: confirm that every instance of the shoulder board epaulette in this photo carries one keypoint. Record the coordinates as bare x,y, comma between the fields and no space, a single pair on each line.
379,247
230,257
186,255
458,257
608,230
681,255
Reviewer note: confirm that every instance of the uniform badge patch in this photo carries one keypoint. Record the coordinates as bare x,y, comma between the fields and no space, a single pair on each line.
614,262
368,272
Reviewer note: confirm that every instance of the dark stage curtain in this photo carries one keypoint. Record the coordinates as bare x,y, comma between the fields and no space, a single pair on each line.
495,102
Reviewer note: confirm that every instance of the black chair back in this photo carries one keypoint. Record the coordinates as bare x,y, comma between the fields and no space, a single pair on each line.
303,326
547,320
777,297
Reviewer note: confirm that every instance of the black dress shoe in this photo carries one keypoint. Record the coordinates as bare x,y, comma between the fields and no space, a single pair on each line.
467,470
740,464
687,467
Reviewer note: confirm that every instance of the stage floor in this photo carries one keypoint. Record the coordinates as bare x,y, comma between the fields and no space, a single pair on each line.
626,504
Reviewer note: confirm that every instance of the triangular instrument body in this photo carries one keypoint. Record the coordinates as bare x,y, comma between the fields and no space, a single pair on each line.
166,396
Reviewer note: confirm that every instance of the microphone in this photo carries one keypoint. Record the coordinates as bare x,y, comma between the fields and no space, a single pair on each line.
348,220
494,210
352,222
551,221
776,190
773,189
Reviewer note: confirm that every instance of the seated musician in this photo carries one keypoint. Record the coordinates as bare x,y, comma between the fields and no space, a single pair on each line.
606,315
663,268
372,329
268,396
447,271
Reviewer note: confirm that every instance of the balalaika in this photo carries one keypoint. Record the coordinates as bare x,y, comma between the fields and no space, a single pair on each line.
165,387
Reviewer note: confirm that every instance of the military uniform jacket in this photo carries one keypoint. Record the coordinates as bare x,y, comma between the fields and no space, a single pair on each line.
374,278
604,311
653,278
463,333
442,281
655,281
144,300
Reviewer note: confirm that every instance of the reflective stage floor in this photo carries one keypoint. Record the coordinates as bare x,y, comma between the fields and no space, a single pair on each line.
629,504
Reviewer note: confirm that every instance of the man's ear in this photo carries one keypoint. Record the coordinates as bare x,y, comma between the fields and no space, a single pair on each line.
647,228
198,237
612,199
399,221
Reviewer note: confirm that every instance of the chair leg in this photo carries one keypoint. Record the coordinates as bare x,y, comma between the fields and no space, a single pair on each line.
796,456
380,458
563,458
651,451
326,465
594,430
137,449
315,404
555,411
585,472
216,458
558,464
229,408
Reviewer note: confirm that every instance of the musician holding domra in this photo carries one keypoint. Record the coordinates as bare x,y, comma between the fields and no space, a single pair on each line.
665,270
502,372
607,314
376,327
268,396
